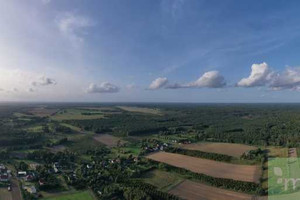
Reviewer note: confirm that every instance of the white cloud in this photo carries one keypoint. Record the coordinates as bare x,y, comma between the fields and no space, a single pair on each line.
260,76
73,27
43,81
21,80
158,83
104,87
211,79
289,79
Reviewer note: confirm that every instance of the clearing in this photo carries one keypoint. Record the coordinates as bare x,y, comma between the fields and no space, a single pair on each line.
76,114
230,149
281,152
161,179
86,195
196,191
141,110
5,194
109,140
43,112
57,148
248,173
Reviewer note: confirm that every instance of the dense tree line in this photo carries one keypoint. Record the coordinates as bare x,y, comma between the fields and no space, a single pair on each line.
151,190
63,158
200,154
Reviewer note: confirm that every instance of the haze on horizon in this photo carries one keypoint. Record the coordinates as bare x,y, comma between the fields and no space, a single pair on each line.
150,51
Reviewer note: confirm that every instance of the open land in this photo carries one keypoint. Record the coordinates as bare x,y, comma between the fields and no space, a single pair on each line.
141,110
209,167
109,140
162,179
76,114
43,112
84,195
196,191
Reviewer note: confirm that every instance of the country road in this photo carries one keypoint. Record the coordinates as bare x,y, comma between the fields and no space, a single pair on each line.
16,192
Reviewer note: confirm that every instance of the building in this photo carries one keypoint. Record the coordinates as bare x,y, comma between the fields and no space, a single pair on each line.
4,177
4,173
30,189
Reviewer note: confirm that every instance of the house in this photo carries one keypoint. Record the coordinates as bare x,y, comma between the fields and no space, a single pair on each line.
5,174
42,182
4,177
29,177
2,167
56,167
30,189
22,174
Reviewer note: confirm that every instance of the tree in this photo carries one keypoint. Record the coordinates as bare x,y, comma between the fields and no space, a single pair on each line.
135,194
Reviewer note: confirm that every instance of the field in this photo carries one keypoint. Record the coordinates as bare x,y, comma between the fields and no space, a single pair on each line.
80,143
43,112
5,194
235,150
209,167
86,195
57,148
77,114
161,179
108,140
281,152
197,191
141,110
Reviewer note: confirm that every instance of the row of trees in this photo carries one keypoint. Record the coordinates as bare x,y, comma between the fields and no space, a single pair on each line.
200,154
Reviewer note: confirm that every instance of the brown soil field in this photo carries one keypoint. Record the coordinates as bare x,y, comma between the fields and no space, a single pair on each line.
109,140
196,191
248,173
222,148
141,110
5,194
43,112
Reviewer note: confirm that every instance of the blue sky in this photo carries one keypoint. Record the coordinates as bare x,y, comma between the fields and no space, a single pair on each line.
150,51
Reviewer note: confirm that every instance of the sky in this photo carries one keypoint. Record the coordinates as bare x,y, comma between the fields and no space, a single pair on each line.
150,51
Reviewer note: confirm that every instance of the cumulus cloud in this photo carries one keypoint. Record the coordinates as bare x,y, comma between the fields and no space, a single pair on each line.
289,79
211,79
73,26
260,75
44,81
158,83
104,87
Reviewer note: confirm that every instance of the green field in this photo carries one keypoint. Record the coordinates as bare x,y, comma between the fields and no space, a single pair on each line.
77,114
84,195
162,180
